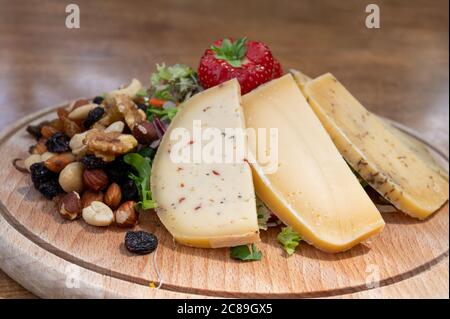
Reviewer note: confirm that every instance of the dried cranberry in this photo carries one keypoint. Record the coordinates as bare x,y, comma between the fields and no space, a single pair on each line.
58,143
140,242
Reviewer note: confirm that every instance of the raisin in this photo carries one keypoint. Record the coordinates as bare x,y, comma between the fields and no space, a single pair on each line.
91,161
142,106
98,100
118,170
93,116
40,173
58,143
140,242
50,188
129,191
45,181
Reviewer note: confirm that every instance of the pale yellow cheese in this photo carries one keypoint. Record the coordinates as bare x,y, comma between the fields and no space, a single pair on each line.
418,148
313,190
300,78
201,204
383,159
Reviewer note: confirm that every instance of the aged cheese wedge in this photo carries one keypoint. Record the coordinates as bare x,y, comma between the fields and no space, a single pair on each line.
300,78
383,159
205,205
313,190
419,149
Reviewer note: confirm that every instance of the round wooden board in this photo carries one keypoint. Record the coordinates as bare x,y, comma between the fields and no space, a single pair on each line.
56,258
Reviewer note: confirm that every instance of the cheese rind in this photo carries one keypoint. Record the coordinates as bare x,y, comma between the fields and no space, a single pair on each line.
381,158
205,205
313,190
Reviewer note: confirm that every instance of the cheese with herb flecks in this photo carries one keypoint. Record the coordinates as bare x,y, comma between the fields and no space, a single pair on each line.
380,156
203,204
313,190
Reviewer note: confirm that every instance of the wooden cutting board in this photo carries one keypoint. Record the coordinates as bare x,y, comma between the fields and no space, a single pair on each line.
53,257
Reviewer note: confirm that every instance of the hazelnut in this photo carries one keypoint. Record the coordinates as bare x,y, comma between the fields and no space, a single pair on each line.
98,214
32,159
71,177
95,179
126,215
145,132
81,113
113,196
70,206
58,162
88,197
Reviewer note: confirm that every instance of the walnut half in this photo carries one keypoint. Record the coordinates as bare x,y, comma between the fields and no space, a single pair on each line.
107,145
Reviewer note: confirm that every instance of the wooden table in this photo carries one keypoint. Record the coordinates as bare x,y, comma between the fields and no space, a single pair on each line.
399,71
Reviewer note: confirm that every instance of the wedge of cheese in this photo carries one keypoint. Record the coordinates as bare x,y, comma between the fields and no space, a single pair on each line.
204,204
313,190
380,156
419,149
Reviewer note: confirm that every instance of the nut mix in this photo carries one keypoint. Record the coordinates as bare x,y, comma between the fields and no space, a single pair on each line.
78,157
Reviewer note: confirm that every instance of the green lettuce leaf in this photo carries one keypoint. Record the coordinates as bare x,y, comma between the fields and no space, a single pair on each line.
289,238
143,168
245,253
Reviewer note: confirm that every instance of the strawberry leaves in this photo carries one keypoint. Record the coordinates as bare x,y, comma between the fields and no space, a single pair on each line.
234,53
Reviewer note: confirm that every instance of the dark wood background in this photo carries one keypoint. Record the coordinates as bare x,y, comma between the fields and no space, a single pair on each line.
399,71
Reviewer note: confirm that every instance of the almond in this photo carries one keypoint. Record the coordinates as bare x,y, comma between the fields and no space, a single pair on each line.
95,179
126,215
70,206
88,197
113,196
58,162
48,131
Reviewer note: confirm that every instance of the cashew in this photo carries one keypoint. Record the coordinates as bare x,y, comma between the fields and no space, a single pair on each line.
98,214
71,177
77,144
32,159
80,113
131,90
115,127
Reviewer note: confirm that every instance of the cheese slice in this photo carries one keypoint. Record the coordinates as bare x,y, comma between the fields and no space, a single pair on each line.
300,78
205,205
383,159
419,149
313,190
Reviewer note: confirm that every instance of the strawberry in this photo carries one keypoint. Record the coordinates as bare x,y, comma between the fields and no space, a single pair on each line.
250,62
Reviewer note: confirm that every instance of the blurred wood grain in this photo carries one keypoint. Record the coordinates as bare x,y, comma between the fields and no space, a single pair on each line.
399,71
